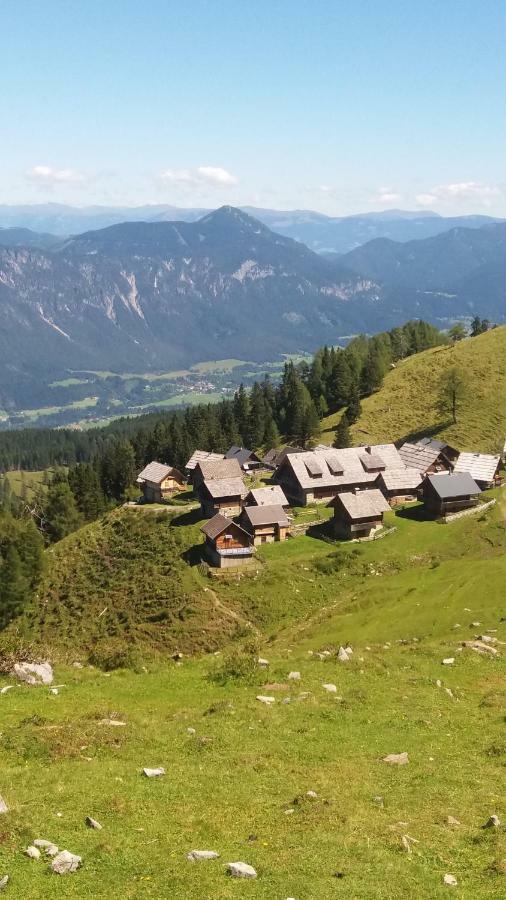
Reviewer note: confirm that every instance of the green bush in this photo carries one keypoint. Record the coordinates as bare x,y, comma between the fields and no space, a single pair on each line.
238,664
113,653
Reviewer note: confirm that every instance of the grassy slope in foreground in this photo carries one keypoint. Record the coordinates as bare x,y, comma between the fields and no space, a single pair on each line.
239,774
406,404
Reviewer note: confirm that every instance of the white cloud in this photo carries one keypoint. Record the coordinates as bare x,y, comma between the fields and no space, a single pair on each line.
387,195
200,176
49,175
461,191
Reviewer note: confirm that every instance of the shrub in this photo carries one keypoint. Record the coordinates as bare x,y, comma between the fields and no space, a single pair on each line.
113,653
239,664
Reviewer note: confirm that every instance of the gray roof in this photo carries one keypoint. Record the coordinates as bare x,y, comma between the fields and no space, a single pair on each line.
200,455
422,454
265,515
453,484
218,524
368,504
219,468
400,479
372,461
242,455
275,457
480,466
225,487
268,496
340,467
157,472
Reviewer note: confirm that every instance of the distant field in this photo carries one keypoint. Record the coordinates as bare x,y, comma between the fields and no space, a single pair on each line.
23,482
406,404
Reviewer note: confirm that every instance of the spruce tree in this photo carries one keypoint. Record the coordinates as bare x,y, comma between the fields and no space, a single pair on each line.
354,409
342,437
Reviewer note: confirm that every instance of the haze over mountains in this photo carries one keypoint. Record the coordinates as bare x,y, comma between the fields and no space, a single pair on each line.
143,296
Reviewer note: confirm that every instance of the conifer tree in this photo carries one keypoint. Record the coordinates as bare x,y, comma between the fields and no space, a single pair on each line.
342,436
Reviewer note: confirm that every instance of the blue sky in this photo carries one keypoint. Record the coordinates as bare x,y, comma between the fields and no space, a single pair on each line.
340,106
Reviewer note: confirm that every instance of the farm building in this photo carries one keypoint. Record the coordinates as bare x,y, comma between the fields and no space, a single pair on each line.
449,492
265,524
428,455
399,485
483,467
221,495
358,514
209,469
273,458
226,544
247,460
317,476
159,481
199,456
267,496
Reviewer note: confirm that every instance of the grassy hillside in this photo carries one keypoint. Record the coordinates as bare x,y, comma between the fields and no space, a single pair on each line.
238,784
406,404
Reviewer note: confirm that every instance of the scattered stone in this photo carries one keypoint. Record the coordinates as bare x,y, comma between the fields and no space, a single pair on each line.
439,683
241,870
154,773
378,801
475,624
343,655
65,863
492,822
114,722
396,759
52,850
266,700
263,663
92,823
77,665
405,844
448,661
195,855
294,676
8,687
42,844
32,852
4,881
486,639
33,673
191,730
450,880
330,688
451,820
450,693
348,650
480,647
312,795
304,695
289,812
54,691
3,806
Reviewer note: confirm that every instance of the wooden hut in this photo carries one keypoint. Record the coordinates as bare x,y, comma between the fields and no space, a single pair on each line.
221,495
265,524
482,467
267,496
428,455
158,482
449,492
247,459
399,485
358,514
226,543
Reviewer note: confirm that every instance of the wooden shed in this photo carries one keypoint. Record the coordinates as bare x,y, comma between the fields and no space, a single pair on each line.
159,481
247,459
358,514
221,495
482,467
272,495
399,485
449,492
226,543
265,524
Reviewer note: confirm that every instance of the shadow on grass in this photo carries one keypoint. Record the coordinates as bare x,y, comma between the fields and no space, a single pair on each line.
188,518
324,531
431,432
194,555
414,513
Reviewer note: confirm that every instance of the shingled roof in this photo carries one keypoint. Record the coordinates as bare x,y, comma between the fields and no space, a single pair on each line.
340,467
400,479
218,524
266,515
448,485
480,466
422,454
156,472
242,455
268,496
367,504
219,468
199,456
225,487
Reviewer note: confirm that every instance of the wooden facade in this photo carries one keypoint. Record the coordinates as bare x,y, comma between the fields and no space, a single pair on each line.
159,482
265,524
449,493
358,515
226,544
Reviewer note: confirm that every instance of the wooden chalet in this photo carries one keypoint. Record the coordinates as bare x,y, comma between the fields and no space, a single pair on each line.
274,457
449,492
247,460
159,481
221,495
199,456
482,467
358,514
226,543
265,524
399,485
210,469
267,496
428,456
317,476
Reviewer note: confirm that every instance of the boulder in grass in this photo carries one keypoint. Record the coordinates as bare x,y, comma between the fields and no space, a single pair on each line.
92,823
343,655
262,663
34,673
294,676
396,759
195,855
65,863
42,844
450,880
4,881
330,688
3,806
241,870
154,773
32,852
267,700
492,822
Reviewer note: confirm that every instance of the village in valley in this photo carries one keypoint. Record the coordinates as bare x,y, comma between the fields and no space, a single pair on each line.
249,500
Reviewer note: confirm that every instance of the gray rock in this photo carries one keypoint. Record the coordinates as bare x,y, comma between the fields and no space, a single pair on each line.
154,773
34,673
330,688
8,687
448,661
294,676
263,663
241,870
32,852
312,795
4,881
52,850
450,880
343,655
65,863
396,759
492,822
191,731
77,665
92,823
378,801
267,700
3,806
42,844
195,855
451,820
113,722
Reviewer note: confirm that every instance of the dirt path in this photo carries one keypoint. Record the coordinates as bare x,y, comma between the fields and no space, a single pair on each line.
231,613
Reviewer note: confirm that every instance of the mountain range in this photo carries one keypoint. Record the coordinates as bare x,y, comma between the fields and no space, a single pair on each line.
321,233
144,296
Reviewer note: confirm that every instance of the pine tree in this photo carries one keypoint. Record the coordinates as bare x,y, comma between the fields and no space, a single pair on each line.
85,486
372,373
354,409
61,515
342,436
